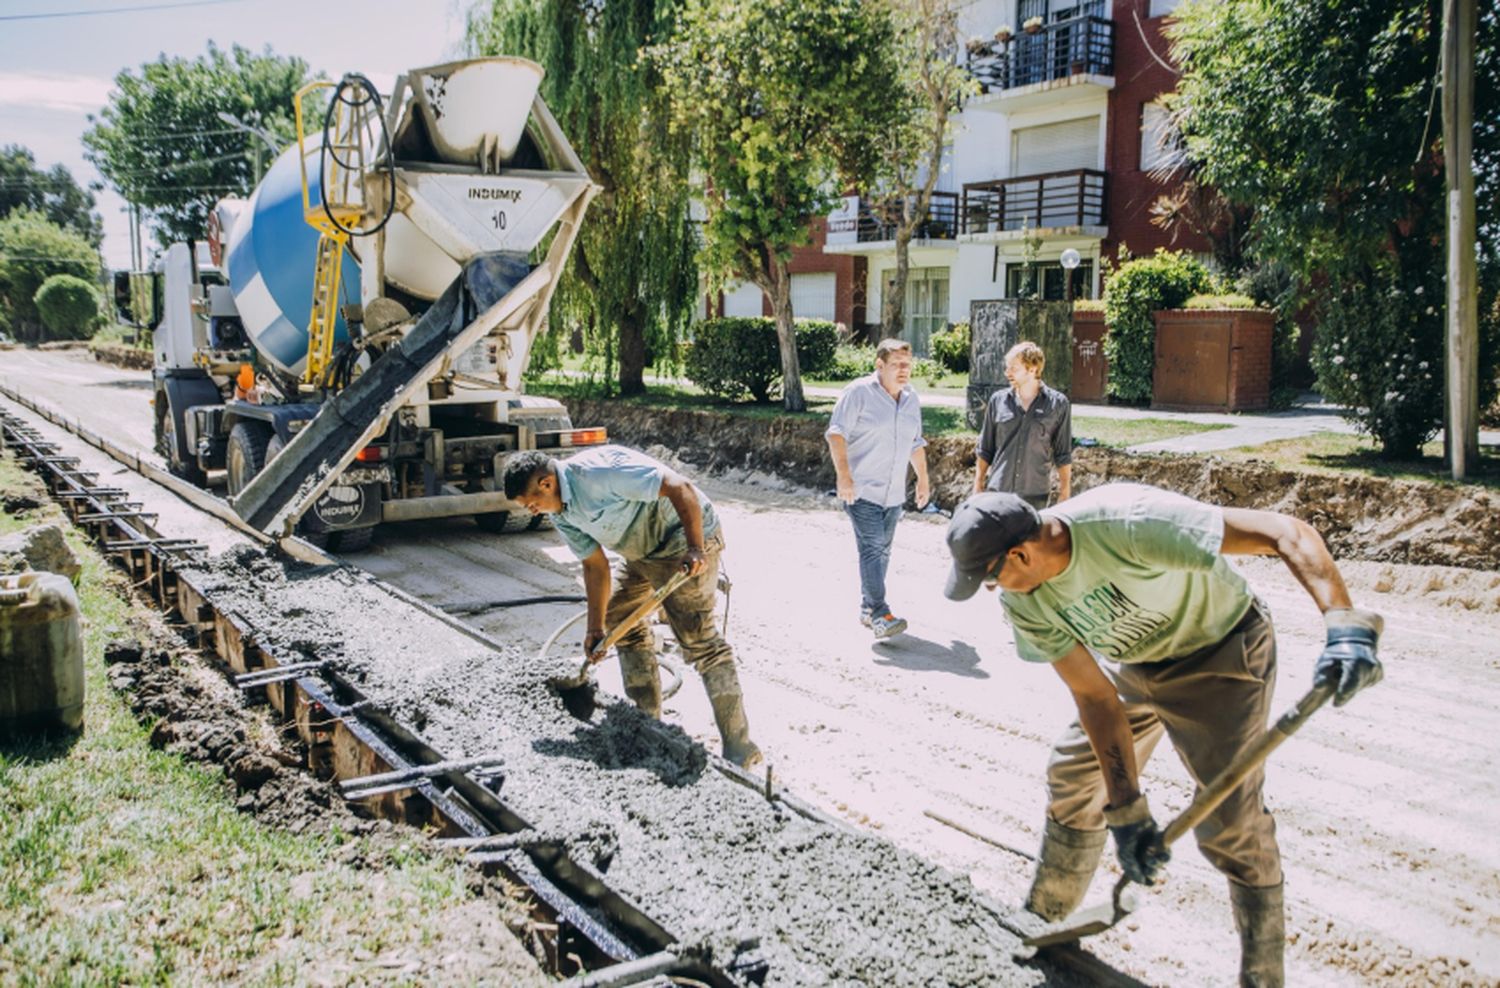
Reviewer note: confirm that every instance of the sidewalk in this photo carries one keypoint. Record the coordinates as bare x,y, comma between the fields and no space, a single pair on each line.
1245,428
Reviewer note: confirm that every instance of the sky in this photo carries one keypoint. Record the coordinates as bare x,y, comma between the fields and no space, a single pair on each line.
56,70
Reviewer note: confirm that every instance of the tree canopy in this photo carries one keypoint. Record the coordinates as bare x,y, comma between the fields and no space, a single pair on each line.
1320,117
33,249
161,142
53,192
68,306
784,101
632,275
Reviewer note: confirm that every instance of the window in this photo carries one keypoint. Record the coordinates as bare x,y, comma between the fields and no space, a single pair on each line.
926,307
1161,143
1160,7
813,295
745,300
1052,286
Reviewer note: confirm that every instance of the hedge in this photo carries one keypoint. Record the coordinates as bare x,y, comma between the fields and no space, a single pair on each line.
734,357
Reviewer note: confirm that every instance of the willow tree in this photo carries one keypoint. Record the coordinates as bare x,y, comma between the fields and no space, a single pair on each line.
784,101
632,273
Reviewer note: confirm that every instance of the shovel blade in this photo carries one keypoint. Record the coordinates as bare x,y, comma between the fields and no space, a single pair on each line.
1085,922
577,694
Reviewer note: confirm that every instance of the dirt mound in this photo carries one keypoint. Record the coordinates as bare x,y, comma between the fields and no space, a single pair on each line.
1360,517
120,355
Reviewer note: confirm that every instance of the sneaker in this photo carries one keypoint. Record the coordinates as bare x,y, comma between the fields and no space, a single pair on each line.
887,624
865,617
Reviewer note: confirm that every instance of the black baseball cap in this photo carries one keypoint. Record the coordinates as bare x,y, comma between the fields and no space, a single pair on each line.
986,525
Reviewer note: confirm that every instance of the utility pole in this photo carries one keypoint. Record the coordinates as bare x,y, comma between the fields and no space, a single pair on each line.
1461,436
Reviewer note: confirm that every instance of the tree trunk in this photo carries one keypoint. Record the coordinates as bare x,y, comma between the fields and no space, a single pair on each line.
893,295
780,291
632,352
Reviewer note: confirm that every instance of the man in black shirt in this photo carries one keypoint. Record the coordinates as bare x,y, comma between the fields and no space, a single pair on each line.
1028,429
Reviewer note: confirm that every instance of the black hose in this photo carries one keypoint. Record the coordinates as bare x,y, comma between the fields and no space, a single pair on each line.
493,605
368,96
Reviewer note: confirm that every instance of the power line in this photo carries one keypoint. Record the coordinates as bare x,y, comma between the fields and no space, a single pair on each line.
111,10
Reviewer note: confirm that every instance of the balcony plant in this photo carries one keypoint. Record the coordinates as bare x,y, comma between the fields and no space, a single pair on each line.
1004,33
977,45
1031,25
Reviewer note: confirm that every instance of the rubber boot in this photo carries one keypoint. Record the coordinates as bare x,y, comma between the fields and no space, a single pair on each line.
1064,867
1260,916
642,679
723,685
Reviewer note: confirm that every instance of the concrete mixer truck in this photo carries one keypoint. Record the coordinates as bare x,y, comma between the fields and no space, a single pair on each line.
350,351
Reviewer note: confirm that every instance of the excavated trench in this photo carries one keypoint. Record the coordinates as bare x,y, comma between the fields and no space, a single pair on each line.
712,860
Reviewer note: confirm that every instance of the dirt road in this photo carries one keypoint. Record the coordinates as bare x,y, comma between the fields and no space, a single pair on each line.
1385,808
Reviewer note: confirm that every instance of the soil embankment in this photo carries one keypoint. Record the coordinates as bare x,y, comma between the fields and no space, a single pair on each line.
1360,517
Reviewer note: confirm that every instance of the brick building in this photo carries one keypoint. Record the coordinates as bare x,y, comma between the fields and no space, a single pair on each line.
1054,153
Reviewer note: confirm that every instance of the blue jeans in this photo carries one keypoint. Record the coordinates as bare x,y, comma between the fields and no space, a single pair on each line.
874,531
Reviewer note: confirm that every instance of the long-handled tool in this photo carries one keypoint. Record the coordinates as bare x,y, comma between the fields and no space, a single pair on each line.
577,691
1097,919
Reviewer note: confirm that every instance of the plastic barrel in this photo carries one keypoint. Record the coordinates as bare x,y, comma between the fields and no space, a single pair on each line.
41,656
270,258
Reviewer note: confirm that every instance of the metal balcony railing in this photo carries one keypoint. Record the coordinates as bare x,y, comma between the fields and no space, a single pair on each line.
941,222
1070,198
1061,49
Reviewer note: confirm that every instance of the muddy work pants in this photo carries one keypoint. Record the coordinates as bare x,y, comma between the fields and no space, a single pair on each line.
1212,704
690,612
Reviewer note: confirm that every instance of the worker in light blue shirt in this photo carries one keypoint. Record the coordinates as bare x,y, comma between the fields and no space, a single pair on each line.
874,434
658,523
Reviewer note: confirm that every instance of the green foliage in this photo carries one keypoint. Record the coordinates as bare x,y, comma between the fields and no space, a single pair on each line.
632,277
160,142
1088,305
784,102
53,193
69,307
1231,300
851,360
734,357
1318,115
33,249
1139,287
951,347
1379,352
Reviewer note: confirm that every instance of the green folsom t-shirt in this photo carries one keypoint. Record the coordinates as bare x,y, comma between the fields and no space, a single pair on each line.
1146,581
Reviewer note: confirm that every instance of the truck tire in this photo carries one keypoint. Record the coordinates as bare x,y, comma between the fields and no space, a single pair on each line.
246,455
166,445
492,521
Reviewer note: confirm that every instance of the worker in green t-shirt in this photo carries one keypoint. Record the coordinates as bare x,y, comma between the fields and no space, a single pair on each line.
1137,576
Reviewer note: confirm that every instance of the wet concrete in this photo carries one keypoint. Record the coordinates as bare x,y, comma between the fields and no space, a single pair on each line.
711,860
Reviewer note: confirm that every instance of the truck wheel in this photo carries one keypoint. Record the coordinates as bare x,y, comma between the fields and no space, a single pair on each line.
246,455
166,445
492,521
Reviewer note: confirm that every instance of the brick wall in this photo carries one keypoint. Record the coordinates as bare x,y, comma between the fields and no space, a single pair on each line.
1139,79
849,275
1213,359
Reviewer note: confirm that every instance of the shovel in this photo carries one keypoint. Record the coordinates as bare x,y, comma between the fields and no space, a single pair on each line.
1097,919
577,692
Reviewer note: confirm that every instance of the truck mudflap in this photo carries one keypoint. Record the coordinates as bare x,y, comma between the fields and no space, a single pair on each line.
351,501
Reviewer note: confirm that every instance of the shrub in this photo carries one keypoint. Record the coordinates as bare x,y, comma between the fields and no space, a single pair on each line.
1231,301
69,307
1141,286
33,249
951,347
1088,305
1379,352
926,369
1275,285
851,360
732,357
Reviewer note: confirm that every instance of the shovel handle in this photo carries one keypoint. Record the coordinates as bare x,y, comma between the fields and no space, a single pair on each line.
634,617
1211,795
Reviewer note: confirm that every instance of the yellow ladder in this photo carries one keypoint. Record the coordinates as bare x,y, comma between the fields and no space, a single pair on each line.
340,208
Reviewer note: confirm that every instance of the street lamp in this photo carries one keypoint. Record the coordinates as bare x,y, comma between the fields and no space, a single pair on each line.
256,131
1070,259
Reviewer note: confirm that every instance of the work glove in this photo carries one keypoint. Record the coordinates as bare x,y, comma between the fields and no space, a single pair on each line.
1138,842
1348,663
592,641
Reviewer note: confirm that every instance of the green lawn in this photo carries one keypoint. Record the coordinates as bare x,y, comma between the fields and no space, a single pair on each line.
121,864
1340,453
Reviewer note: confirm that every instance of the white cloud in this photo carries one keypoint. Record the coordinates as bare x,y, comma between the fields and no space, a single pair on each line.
54,91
